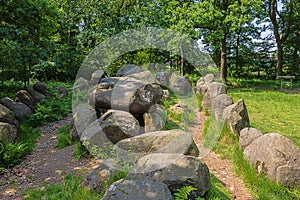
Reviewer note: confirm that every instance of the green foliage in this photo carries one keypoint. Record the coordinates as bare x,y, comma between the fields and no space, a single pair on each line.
63,139
80,151
183,192
69,189
12,153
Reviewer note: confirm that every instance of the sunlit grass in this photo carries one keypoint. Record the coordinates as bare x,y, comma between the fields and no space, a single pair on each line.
271,110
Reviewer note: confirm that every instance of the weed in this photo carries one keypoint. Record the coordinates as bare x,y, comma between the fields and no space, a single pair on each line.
80,151
64,137
183,193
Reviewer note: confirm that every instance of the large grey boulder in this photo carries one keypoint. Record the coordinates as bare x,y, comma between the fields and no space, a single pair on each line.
137,190
98,178
128,69
83,116
155,119
209,78
24,97
34,94
219,104
206,103
62,91
128,94
248,135
8,116
110,128
145,76
21,110
180,108
163,78
216,89
181,85
80,84
174,170
201,86
96,77
8,133
41,88
236,116
172,141
276,156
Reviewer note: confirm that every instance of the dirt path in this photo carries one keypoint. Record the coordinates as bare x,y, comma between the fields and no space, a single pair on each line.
46,165
221,168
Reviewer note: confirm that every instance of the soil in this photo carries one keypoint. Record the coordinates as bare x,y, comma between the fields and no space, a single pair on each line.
220,168
48,165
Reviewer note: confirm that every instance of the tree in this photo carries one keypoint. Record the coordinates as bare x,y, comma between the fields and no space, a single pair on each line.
217,19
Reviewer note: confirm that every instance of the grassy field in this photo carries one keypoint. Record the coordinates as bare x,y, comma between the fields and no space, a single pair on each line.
271,110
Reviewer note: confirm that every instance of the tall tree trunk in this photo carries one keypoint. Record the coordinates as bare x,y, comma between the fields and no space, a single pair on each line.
181,61
223,67
279,59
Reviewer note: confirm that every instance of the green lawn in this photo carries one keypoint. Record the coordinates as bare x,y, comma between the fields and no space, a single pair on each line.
271,110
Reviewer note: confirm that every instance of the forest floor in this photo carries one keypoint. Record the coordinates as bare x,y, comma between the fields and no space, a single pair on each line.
48,165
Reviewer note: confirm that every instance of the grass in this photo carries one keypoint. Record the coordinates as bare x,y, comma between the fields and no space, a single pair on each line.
69,189
271,111
63,139
260,186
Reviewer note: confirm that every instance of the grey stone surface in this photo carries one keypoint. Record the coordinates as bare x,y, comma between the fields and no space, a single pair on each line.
145,76
137,190
155,119
163,78
128,69
174,170
109,129
8,116
35,94
236,116
276,156
209,78
248,135
24,97
219,104
96,77
201,86
80,84
8,133
21,110
181,85
172,141
216,89
41,87
62,91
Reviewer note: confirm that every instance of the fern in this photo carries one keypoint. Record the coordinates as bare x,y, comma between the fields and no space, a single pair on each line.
183,193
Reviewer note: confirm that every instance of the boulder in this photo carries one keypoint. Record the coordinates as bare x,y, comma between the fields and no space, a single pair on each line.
127,70
163,78
96,77
62,91
8,116
80,84
236,117
201,87
174,170
41,88
8,133
21,110
155,119
206,102
209,78
137,190
24,97
219,104
216,89
98,178
180,108
181,85
34,94
83,116
110,128
248,135
145,76
129,95
172,141
276,156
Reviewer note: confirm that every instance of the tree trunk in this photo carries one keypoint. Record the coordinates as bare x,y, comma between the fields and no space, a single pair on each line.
279,60
182,60
223,67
